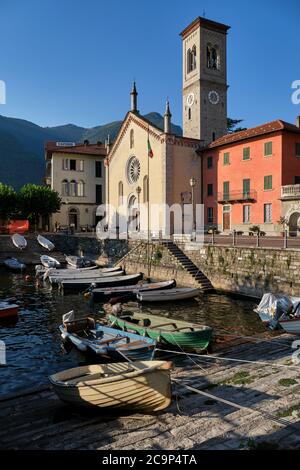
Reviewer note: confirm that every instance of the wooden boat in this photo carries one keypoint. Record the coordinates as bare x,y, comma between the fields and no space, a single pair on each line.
14,264
8,310
69,271
164,330
133,290
49,262
89,336
140,386
80,285
19,241
94,275
78,261
291,325
170,295
45,243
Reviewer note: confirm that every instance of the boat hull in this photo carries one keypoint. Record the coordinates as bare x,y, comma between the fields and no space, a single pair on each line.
8,310
291,326
146,390
131,290
172,295
95,275
105,282
197,339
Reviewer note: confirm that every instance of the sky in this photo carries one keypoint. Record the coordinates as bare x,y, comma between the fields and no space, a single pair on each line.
73,61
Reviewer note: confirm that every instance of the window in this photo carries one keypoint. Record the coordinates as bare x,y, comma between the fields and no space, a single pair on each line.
268,149
268,183
98,193
190,113
65,164
298,149
210,215
73,165
226,190
72,191
246,188
246,214
65,188
212,57
297,179
98,169
246,153
145,189
209,162
226,158
80,188
267,213
80,165
131,138
210,189
213,137
120,193
191,59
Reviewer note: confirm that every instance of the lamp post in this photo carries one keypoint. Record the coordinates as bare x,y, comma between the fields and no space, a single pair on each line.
138,191
193,182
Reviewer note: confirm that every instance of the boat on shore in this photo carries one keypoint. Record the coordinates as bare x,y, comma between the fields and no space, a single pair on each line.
45,243
8,310
49,262
164,330
19,241
170,295
94,275
14,264
88,336
138,386
78,261
130,291
280,310
83,284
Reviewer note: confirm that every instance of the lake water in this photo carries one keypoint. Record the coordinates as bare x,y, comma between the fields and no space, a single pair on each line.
33,345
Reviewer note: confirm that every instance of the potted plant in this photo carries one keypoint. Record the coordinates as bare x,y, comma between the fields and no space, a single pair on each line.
254,229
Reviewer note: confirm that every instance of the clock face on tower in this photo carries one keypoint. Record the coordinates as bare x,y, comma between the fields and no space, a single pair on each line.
190,99
213,97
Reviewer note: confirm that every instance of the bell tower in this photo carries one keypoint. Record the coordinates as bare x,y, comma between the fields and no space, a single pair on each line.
204,80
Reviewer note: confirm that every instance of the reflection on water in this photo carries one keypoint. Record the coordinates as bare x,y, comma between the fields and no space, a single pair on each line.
33,345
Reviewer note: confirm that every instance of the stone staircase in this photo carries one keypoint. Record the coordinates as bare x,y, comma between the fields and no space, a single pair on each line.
189,266
30,255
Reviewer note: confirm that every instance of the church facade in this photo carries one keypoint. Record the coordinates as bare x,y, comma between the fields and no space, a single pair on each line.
153,176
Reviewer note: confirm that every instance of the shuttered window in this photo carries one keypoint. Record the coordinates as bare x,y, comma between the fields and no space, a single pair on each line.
246,153
268,149
268,183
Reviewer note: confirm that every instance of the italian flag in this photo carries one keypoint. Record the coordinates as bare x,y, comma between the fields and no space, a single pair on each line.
150,151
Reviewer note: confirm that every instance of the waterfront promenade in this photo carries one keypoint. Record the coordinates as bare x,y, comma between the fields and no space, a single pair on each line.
260,408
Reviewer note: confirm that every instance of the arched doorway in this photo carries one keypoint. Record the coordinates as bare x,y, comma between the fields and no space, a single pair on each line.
74,218
294,224
133,223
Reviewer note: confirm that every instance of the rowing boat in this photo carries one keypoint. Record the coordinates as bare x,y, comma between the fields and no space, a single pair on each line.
102,293
78,261
94,275
14,264
139,386
88,336
19,241
82,284
45,243
49,262
171,295
8,310
164,330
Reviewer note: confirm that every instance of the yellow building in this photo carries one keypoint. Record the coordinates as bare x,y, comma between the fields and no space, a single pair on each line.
77,173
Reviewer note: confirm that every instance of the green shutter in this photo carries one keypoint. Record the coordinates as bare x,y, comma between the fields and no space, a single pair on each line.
246,153
226,190
226,159
246,188
268,149
268,183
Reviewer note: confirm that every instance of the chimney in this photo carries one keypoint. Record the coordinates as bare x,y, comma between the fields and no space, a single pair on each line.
133,96
298,121
107,144
167,119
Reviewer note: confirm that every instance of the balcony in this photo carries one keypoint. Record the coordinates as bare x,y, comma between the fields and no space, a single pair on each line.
290,192
237,197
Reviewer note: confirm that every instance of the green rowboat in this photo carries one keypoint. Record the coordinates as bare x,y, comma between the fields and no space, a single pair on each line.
164,330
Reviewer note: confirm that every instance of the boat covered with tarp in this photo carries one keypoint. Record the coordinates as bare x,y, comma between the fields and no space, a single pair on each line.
279,310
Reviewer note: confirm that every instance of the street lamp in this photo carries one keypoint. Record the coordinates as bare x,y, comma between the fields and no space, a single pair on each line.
193,182
138,191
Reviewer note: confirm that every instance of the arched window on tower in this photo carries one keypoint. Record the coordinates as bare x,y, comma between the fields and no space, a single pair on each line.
120,193
213,57
131,138
145,189
65,188
191,59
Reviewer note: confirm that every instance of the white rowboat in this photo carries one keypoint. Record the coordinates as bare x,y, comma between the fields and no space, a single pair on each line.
138,386
19,241
45,243
14,264
168,295
49,262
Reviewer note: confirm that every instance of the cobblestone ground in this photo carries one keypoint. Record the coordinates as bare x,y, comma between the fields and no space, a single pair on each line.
268,417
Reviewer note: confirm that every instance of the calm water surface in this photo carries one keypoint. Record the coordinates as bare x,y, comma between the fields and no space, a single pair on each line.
33,345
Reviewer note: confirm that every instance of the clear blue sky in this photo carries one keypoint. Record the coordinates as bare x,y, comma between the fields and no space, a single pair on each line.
74,60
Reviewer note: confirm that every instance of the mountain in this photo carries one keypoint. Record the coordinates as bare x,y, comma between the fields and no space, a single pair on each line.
22,145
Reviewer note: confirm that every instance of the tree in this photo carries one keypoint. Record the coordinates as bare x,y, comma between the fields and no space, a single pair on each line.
8,201
232,123
37,201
